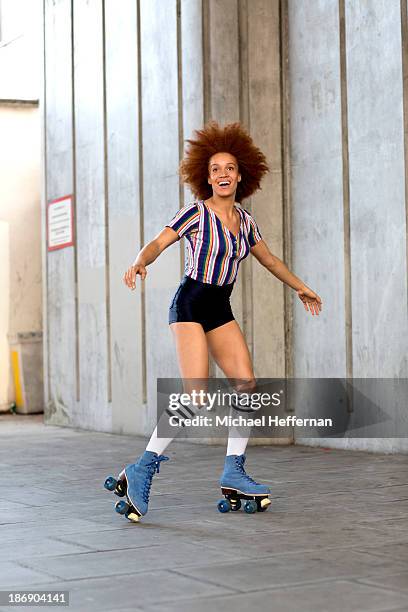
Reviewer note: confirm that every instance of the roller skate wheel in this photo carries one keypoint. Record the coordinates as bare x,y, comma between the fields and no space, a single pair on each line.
250,506
265,503
224,505
122,507
110,483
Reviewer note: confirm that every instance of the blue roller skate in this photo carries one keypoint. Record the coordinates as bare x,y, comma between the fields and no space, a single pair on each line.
134,482
236,485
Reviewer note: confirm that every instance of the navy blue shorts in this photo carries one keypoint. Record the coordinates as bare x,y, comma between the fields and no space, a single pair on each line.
203,303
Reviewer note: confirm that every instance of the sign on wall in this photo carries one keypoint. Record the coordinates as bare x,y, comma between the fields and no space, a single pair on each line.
60,223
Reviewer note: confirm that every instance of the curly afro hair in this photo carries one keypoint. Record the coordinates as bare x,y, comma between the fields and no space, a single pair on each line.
233,139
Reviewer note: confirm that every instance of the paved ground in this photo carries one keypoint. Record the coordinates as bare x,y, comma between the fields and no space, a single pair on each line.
334,539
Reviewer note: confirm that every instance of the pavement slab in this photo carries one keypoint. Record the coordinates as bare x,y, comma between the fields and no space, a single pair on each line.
335,538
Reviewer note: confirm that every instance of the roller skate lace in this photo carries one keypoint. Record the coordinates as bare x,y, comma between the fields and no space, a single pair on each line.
153,467
240,460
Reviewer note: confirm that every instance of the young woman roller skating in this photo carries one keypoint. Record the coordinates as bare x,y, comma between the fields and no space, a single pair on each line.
222,167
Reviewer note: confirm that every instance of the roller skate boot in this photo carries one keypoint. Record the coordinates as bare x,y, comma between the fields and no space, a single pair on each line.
236,485
134,482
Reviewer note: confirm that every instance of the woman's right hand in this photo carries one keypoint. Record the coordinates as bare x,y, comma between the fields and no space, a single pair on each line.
129,277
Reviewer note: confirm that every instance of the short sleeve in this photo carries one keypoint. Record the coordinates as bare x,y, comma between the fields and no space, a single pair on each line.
184,219
254,235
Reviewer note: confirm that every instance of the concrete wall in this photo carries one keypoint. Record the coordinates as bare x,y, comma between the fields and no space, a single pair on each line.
349,193
123,90
20,50
4,314
20,171
20,214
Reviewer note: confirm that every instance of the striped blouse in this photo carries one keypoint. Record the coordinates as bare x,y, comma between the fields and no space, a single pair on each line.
214,253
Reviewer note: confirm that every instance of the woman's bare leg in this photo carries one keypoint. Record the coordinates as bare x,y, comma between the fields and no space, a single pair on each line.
229,349
192,356
192,349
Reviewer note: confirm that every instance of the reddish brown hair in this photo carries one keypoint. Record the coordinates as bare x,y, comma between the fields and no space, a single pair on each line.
233,139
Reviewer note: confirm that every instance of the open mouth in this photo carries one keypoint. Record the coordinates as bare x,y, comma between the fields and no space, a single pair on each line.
224,184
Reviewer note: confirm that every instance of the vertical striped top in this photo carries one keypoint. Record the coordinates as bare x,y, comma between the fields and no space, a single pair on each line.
213,252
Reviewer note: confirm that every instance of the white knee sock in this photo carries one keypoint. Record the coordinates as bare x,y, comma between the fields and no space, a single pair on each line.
158,444
237,446
237,438
238,435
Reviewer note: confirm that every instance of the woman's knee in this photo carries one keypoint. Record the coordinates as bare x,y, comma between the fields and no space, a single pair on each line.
247,385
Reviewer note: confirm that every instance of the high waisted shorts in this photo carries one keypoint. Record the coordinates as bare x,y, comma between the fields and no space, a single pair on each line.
201,303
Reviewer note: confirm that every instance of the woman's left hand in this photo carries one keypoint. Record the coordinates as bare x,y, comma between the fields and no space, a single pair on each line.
311,301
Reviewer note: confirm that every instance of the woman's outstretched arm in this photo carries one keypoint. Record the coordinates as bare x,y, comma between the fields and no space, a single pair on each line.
148,254
311,301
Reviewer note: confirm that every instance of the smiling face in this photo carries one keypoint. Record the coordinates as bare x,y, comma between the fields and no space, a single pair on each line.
223,174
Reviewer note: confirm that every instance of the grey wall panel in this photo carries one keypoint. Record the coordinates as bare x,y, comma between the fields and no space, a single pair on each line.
59,175
43,196
377,190
122,110
192,72
224,60
317,189
160,126
266,312
89,128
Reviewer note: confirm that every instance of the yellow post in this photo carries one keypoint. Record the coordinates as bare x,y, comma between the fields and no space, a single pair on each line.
15,364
